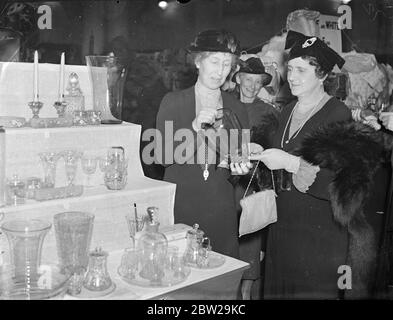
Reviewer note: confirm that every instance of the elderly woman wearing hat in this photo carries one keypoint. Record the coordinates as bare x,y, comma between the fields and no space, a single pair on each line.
249,79
203,193
322,232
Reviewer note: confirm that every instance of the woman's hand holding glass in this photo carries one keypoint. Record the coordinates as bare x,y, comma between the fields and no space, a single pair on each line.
276,159
241,168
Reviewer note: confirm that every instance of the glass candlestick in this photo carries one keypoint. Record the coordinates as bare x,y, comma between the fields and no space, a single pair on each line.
35,107
60,107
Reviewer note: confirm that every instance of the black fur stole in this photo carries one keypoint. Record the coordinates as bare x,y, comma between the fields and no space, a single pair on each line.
354,153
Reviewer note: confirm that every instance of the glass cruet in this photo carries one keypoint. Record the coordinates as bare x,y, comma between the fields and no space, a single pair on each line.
194,238
153,247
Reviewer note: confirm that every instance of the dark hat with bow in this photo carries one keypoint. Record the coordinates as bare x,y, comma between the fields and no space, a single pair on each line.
215,41
301,45
253,65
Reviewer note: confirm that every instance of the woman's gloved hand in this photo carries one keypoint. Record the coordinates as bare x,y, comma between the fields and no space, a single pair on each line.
366,117
276,159
387,120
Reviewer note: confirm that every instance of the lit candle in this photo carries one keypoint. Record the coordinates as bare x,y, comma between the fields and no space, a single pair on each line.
35,76
61,81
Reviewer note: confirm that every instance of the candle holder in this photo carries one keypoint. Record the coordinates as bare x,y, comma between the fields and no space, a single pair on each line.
35,107
60,107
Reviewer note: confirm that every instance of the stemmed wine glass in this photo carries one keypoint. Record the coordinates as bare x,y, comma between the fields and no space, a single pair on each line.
71,158
89,167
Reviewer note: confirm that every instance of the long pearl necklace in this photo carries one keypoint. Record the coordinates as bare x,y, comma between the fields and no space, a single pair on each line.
302,125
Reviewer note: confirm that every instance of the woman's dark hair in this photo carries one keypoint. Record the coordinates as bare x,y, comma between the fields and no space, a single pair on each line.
318,69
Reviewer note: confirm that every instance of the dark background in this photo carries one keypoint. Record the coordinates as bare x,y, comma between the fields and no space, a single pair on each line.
87,27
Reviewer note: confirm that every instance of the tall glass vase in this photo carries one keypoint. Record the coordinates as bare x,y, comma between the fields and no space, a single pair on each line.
25,239
107,77
49,162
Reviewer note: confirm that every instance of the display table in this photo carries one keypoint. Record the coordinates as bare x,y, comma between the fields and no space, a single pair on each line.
217,284
110,231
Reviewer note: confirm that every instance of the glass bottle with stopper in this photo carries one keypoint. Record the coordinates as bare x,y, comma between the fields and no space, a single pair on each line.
74,98
194,240
152,246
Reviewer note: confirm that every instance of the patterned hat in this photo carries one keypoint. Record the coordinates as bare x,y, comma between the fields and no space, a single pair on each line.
301,45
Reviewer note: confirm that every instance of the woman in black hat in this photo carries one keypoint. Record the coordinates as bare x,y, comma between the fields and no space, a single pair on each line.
322,245
250,79
203,193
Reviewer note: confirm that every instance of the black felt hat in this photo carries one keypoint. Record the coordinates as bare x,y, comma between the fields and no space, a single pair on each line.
215,41
253,65
301,45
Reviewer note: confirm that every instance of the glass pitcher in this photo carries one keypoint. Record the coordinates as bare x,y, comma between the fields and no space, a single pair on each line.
153,247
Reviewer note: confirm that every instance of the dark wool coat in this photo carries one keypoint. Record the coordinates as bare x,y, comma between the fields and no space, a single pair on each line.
350,156
209,203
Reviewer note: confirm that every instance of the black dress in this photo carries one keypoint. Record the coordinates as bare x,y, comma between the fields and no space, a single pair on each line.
305,246
209,203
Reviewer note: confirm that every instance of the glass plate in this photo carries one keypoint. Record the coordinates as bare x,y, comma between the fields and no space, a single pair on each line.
89,294
170,278
48,283
215,260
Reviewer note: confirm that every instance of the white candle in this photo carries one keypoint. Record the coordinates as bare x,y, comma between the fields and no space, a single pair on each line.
61,80
35,76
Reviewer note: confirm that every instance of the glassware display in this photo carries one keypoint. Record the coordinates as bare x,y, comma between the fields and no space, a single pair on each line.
49,162
97,277
93,117
26,277
107,76
89,167
115,177
173,268
48,283
61,107
153,249
73,237
135,224
74,98
194,240
35,107
25,238
32,184
71,158
15,191
80,118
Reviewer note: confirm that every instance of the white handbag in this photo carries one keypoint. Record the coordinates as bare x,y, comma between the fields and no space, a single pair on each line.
258,210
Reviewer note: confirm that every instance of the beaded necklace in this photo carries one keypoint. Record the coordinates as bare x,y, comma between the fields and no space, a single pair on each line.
316,107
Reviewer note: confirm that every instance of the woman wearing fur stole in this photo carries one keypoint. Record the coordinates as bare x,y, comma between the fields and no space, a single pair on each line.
323,245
